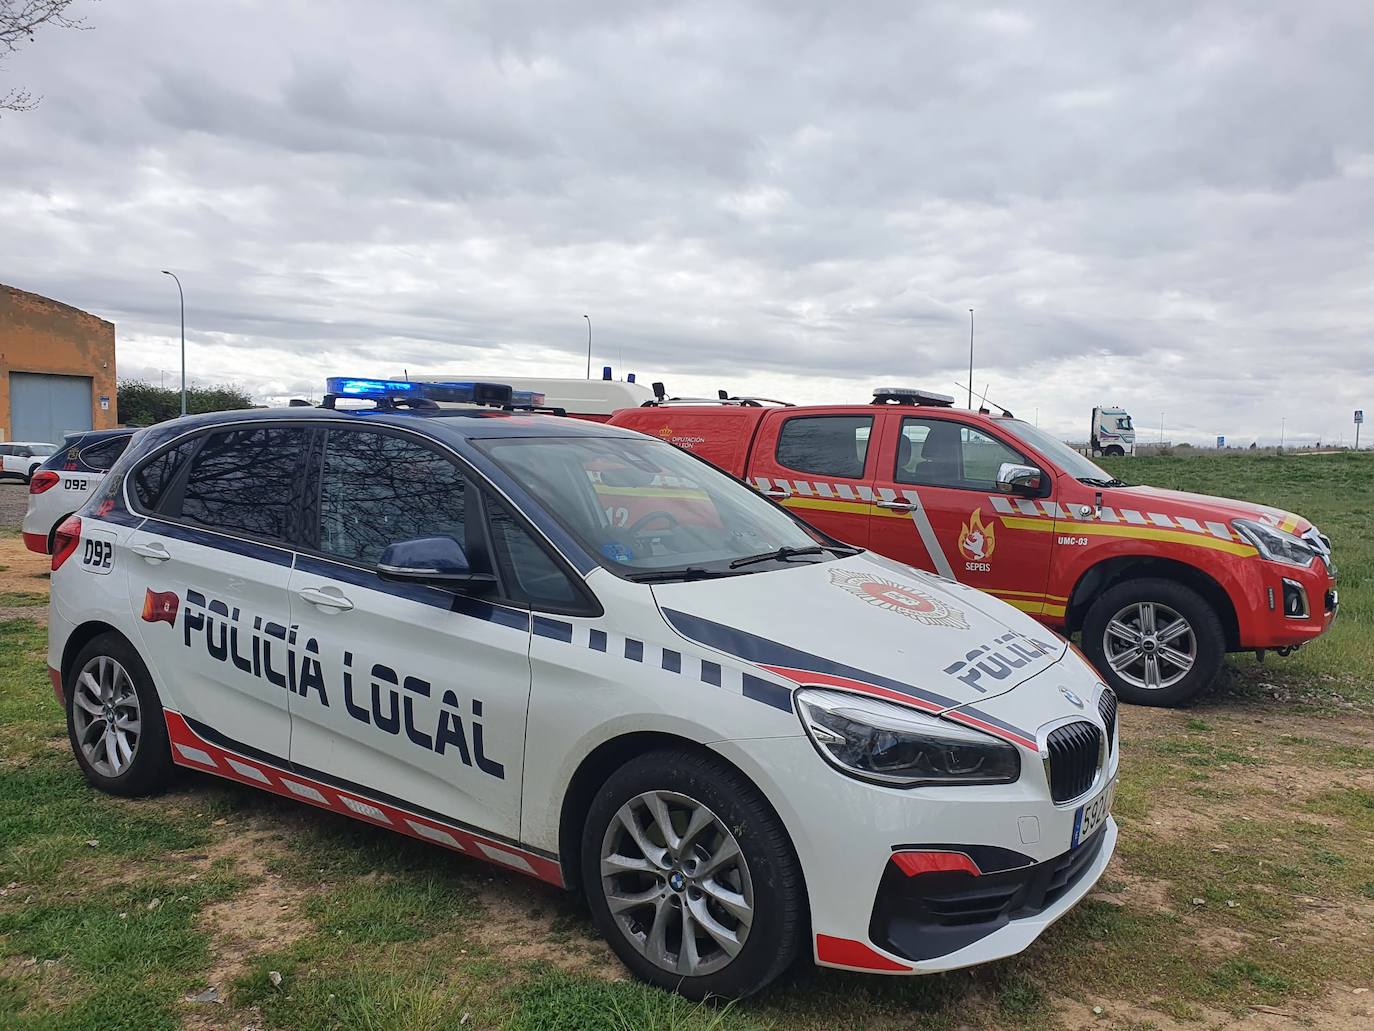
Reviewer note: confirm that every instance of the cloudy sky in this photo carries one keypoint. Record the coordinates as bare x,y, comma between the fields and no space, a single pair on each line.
1165,205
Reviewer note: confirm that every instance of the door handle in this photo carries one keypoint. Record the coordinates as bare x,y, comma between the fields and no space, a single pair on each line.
776,493
325,597
898,506
152,552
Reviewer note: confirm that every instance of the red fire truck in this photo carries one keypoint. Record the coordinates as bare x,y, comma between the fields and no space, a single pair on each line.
1161,583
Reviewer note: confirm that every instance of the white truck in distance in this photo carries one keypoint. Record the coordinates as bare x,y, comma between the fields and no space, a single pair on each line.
1112,434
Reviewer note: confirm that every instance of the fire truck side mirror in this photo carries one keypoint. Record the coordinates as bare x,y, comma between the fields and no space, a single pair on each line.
1018,479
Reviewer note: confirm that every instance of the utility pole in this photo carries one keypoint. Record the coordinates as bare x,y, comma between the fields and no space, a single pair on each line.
182,296
589,345
970,359
1161,428
1283,429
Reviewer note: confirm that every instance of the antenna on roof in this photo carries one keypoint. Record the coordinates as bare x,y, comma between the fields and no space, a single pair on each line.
984,399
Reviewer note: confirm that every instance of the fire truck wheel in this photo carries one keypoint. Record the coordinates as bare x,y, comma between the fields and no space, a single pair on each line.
1156,642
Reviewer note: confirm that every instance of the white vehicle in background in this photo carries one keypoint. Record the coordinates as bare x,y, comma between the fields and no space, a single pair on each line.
589,399
64,482
20,459
1113,434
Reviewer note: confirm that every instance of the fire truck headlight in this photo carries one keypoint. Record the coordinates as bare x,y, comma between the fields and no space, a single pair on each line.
889,744
1275,544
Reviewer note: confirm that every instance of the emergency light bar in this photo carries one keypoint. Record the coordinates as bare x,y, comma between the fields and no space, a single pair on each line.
497,394
911,396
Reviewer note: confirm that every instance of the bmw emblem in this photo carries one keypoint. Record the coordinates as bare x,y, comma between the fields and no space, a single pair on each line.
1073,698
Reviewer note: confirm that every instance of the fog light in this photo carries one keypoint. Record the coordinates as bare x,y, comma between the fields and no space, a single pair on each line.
1294,600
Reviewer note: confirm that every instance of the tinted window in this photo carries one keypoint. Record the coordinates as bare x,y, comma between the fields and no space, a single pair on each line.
151,481
949,454
378,489
103,455
245,480
532,574
831,445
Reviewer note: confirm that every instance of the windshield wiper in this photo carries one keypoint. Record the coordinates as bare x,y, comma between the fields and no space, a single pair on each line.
1099,482
781,555
681,573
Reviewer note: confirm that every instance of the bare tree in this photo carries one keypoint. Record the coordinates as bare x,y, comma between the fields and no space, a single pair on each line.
19,19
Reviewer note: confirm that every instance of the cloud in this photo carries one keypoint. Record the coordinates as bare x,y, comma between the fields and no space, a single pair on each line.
1166,206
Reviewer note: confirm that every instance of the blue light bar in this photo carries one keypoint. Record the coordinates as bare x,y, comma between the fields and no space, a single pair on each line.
453,393
369,387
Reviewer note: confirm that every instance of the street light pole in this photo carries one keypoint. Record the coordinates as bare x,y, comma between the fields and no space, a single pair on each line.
970,359
589,345
182,297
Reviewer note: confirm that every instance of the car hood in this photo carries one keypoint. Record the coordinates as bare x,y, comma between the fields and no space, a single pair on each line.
866,623
1202,507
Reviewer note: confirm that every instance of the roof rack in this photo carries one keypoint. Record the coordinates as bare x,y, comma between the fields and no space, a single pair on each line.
721,398
381,403
911,396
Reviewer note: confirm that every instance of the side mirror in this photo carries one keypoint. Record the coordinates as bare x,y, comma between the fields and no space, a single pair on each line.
436,560
1018,479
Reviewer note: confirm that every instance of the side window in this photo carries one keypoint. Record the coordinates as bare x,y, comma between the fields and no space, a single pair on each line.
103,455
151,481
829,445
532,575
378,489
245,480
939,453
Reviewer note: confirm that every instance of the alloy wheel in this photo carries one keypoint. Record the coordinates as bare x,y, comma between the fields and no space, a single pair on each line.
1149,645
677,883
106,717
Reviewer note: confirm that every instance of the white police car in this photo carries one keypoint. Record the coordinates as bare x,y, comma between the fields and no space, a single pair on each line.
62,484
582,654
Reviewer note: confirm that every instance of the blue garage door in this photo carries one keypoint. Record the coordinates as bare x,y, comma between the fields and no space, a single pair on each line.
47,407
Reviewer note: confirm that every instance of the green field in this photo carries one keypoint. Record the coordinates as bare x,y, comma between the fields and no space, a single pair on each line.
1243,883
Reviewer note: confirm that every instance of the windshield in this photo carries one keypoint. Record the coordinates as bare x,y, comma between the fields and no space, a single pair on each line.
1057,451
645,507
1124,423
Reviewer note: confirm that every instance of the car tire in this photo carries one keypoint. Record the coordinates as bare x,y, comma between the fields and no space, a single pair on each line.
1114,452
1128,624
108,677
755,896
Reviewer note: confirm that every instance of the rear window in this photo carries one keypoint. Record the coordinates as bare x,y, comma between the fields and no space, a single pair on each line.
828,445
103,454
153,479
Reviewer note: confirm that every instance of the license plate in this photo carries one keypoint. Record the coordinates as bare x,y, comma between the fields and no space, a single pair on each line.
1090,816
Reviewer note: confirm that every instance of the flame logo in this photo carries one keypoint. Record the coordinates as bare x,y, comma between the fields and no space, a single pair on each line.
976,540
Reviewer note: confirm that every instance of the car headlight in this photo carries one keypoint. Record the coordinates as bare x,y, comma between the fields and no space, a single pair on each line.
889,744
1275,544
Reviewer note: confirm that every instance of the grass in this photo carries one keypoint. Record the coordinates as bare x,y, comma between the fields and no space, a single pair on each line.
1335,492
1243,878
21,599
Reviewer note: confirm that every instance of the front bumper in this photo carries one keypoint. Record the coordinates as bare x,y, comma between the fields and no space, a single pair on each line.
1290,606
936,916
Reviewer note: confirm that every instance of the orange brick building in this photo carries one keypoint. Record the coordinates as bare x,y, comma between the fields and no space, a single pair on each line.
57,369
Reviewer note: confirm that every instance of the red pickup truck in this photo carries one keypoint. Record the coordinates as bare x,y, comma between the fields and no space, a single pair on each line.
1161,583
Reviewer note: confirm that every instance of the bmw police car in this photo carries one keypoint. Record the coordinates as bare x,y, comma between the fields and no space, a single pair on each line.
63,483
584,655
